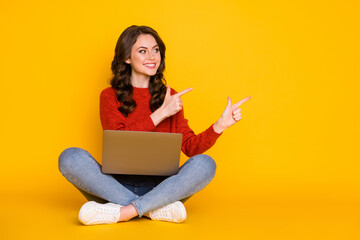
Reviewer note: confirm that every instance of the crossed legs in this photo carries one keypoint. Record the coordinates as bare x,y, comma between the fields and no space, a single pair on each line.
84,172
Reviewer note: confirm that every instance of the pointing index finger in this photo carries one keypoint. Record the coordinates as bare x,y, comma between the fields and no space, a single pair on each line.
236,105
183,92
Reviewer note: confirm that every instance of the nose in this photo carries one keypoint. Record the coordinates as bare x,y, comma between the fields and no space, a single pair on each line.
150,55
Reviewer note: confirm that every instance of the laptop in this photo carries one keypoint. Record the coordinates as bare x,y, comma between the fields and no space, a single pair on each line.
141,153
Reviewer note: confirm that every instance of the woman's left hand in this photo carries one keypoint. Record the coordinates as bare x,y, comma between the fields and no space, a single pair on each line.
230,116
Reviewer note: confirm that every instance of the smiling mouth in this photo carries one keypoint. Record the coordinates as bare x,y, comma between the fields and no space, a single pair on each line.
150,65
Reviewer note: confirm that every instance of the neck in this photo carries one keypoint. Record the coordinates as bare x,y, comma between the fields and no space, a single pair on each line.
140,81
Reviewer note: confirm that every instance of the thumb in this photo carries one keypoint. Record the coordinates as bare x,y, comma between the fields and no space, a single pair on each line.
229,103
167,91
228,106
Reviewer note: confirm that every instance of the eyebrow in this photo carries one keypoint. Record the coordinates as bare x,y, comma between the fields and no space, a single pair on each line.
146,47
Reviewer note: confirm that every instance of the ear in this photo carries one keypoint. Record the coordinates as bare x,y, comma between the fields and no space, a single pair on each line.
127,61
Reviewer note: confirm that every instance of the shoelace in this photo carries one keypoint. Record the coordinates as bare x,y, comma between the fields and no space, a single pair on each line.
105,213
163,214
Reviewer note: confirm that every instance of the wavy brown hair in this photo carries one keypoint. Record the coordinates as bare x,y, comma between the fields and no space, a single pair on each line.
122,71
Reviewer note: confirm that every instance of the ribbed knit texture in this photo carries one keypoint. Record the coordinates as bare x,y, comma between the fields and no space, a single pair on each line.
140,120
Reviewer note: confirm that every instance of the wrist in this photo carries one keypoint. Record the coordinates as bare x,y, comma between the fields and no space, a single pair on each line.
158,116
218,127
162,113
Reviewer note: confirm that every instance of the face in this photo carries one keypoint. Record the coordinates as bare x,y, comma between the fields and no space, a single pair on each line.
145,56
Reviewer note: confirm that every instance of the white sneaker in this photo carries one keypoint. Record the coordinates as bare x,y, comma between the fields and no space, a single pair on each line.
92,213
174,212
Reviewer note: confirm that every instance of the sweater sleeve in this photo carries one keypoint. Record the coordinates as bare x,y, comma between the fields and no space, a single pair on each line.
112,119
193,144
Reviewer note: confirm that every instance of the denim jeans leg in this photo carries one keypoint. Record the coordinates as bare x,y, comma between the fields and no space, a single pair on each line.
91,197
84,172
192,177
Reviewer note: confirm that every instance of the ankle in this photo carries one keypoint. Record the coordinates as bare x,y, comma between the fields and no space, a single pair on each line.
128,212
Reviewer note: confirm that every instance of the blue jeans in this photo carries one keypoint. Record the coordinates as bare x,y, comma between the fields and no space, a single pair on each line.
145,193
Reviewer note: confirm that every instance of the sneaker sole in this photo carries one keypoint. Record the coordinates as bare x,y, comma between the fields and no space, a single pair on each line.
182,209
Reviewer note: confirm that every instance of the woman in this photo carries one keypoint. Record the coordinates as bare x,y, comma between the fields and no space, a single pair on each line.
140,100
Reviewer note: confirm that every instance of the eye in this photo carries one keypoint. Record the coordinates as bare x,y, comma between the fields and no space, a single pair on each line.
142,51
156,50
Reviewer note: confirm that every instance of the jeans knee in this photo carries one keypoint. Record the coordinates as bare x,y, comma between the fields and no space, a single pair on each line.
68,158
206,164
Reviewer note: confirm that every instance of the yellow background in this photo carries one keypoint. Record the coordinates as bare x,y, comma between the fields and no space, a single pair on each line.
288,170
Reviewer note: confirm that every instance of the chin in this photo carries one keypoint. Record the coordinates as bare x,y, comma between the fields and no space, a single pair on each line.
152,73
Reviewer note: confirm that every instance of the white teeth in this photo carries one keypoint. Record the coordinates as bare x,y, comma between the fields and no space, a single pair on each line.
150,65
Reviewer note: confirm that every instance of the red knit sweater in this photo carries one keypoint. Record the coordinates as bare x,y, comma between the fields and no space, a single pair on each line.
140,120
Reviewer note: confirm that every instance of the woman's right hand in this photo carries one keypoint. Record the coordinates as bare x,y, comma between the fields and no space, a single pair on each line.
172,104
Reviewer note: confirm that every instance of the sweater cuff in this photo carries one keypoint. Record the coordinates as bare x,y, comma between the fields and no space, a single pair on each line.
212,132
149,124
